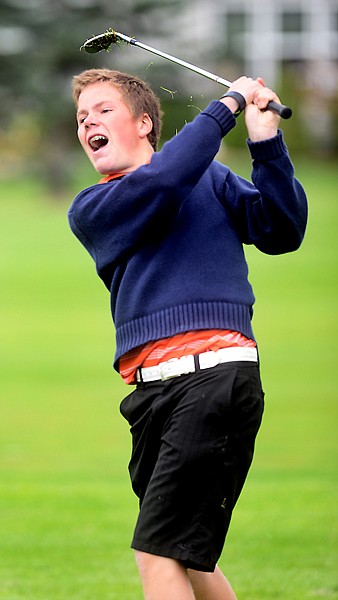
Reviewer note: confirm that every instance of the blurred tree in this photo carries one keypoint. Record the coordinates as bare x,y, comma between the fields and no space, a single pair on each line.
39,50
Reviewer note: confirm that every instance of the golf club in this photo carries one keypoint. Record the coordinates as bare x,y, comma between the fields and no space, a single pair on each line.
103,41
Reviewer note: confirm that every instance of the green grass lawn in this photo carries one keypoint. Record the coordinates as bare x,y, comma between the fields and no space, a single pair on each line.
67,510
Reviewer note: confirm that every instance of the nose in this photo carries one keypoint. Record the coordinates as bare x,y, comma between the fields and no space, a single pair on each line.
90,120
89,124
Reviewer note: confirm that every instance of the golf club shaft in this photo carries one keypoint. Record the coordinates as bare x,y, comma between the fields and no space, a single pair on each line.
284,111
173,59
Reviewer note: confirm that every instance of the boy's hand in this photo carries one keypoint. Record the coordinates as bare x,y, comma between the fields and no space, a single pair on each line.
261,124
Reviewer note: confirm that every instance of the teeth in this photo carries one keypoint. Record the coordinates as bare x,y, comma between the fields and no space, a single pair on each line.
97,141
97,137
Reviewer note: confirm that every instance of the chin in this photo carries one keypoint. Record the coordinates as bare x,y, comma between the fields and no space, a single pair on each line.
102,169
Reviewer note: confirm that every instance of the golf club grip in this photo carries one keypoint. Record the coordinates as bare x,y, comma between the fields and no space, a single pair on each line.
284,111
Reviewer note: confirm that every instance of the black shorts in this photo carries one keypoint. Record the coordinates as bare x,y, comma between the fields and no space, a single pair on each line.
193,440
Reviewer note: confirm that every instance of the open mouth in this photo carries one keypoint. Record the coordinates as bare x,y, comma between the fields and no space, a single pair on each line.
98,141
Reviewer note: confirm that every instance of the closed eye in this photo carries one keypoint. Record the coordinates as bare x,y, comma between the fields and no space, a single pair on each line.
81,119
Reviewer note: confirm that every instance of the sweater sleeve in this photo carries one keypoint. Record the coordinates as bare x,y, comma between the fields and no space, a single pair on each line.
112,219
271,212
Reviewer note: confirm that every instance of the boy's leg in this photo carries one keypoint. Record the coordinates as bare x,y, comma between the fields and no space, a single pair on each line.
211,586
163,578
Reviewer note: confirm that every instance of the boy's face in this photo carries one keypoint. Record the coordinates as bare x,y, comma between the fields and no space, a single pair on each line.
114,140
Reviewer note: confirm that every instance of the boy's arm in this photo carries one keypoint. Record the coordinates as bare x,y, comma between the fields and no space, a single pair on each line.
271,214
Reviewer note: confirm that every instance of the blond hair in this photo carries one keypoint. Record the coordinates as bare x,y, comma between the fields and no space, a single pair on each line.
136,93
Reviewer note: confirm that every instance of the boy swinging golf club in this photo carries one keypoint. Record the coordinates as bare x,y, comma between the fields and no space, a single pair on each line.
166,230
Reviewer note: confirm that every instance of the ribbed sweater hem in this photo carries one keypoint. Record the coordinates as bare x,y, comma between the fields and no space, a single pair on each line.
178,319
221,114
269,149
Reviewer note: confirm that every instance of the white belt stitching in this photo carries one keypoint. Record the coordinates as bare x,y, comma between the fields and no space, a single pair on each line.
175,367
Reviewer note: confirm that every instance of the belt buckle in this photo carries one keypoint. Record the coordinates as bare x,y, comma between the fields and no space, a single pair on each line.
174,367
169,369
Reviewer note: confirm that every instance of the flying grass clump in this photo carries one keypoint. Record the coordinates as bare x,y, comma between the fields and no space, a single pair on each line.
100,42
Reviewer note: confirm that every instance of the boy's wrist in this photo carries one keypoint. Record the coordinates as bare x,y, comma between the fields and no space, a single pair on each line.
234,101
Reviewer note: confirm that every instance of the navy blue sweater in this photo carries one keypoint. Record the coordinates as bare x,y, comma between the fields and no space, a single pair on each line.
168,238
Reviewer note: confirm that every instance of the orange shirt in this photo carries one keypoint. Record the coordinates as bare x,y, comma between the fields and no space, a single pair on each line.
182,344
107,178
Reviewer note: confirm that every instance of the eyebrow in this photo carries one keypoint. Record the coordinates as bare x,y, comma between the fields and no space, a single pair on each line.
98,105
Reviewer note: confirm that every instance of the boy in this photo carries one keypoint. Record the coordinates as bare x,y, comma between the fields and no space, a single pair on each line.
166,231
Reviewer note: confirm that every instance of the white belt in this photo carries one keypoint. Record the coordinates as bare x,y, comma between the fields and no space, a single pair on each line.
186,364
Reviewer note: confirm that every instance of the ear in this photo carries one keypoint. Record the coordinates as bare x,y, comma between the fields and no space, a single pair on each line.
145,126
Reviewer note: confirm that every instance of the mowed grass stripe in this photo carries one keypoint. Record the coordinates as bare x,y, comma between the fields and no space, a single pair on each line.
66,504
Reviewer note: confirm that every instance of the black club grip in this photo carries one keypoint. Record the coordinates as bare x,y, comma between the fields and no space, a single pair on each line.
284,111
